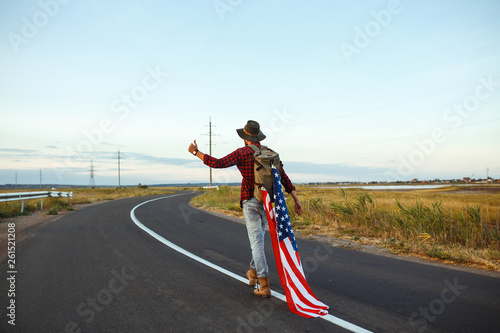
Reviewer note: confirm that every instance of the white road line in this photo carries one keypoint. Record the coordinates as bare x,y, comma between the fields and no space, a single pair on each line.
332,319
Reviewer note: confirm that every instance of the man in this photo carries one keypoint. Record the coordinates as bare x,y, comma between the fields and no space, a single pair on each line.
253,210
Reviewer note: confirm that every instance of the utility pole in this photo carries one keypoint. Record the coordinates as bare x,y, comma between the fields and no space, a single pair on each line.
16,180
92,180
119,185
487,173
40,177
210,143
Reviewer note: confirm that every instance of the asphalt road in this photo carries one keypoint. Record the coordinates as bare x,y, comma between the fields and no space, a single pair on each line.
94,270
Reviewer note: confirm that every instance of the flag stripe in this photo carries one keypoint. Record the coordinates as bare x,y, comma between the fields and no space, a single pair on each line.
299,299
300,286
299,275
299,296
294,277
287,280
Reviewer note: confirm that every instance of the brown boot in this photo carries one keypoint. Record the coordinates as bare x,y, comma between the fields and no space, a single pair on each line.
252,277
264,289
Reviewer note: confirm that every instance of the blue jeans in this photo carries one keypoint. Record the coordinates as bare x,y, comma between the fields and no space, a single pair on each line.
256,222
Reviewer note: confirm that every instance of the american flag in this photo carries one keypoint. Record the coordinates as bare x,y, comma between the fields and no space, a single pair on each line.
299,296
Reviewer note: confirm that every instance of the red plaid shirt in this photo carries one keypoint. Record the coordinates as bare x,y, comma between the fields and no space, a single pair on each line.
244,160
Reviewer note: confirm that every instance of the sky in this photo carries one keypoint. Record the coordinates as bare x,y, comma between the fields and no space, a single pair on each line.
344,90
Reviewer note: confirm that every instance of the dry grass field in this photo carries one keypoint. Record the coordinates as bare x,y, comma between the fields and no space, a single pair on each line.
453,224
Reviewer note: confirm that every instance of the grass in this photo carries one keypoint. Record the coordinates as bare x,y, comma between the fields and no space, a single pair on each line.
442,224
226,199
80,196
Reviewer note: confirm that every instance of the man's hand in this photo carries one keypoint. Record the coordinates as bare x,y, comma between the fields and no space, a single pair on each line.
298,205
193,147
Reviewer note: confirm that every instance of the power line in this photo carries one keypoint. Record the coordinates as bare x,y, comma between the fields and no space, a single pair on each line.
413,135
376,82
424,96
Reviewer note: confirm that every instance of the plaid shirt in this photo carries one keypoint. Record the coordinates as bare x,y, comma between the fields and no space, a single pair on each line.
244,161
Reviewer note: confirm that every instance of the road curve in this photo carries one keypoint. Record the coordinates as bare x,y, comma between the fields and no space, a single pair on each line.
94,270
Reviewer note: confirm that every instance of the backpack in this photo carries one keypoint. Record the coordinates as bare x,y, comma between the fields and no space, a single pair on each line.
263,171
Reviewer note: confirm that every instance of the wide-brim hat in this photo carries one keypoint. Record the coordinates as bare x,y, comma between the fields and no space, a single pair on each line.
251,132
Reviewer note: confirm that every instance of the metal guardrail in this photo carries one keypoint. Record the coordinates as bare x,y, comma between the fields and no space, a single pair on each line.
4,197
209,187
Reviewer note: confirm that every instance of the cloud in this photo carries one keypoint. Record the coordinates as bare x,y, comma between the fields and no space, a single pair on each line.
143,158
16,152
147,158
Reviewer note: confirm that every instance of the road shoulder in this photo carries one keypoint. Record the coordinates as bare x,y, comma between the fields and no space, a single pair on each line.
26,225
